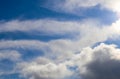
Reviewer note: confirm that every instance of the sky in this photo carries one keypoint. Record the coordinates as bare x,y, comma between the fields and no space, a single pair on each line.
59,39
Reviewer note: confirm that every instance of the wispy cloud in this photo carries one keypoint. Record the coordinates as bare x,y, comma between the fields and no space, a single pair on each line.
75,5
10,55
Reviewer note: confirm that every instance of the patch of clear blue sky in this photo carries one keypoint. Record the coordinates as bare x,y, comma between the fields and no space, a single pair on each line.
17,35
115,41
6,66
11,76
29,54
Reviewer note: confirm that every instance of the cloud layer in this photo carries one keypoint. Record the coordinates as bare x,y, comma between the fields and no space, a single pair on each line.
61,58
75,5
91,63
82,56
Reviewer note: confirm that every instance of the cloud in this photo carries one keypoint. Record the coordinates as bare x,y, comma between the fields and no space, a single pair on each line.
64,58
45,26
10,55
48,70
63,53
111,5
101,62
75,5
89,33
78,30
22,44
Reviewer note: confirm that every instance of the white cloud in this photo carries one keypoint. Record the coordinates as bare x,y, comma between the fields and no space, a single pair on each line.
91,63
10,55
115,27
79,30
75,5
46,26
23,44
89,33
54,27
111,5
49,70
61,50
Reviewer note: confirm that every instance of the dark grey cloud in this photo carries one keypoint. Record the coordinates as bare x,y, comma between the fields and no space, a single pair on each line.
105,63
108,69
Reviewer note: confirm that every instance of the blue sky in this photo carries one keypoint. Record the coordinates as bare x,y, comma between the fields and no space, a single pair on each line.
59,39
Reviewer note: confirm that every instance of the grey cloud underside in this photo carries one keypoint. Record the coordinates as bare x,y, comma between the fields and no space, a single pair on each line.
105,63
108,69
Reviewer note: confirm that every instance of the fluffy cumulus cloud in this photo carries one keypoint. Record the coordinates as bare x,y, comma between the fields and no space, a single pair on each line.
42,68
101,62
